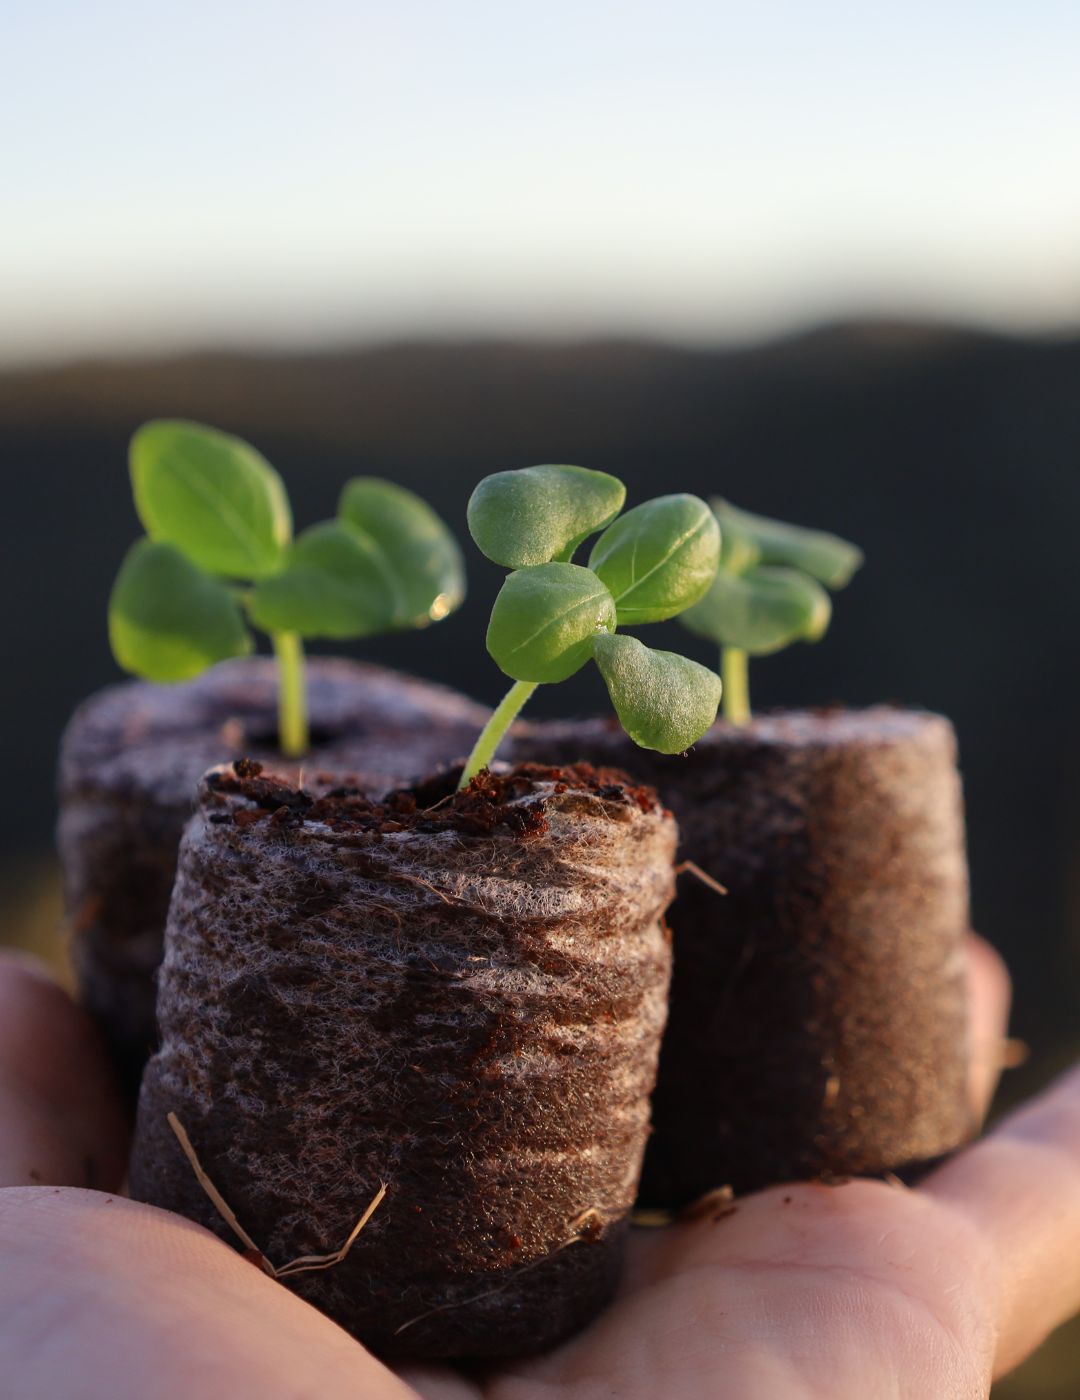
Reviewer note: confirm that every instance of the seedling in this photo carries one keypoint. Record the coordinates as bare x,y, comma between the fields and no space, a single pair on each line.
770,590
552,615
219,556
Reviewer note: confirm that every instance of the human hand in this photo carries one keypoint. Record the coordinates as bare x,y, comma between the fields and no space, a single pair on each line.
850,1292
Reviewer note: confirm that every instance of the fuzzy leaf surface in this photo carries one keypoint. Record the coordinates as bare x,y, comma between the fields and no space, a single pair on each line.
664,701
420,559
658,558
168,621
825,557
210,495
544,621
539,514
761,611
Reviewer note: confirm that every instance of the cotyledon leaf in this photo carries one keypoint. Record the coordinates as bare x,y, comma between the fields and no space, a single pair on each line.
541,514
664,701
658,558
761,611
544,620
211,496
168,621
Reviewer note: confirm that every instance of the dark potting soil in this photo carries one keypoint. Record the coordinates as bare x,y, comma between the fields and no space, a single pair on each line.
818,1011
131,759
458,995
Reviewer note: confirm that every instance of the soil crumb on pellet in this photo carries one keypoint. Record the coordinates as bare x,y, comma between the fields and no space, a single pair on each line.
458,994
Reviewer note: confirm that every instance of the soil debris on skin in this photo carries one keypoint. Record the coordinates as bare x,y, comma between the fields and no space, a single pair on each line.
706,1206
460,994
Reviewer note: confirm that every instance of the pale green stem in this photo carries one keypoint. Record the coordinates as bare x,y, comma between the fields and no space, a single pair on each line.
491,735
735,673
292,694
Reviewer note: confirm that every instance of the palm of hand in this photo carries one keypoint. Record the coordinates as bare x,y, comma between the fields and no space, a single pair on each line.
863,1290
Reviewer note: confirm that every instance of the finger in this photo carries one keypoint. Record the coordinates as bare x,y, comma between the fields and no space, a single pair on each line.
1020,1187
102,1296
989,998
60,1119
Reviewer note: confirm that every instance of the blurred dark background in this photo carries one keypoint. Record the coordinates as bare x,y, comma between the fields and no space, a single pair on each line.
952,457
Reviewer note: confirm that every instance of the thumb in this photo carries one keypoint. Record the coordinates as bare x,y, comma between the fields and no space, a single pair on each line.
61,1123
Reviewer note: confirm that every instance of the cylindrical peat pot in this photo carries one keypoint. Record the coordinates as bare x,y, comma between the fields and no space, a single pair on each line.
818,1015
461,996
130,761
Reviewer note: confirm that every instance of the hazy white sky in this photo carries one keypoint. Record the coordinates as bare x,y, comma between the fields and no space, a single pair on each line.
177,174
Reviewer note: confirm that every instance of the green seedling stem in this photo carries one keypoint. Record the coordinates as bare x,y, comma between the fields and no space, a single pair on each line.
219,556
492,734
293,731
770,590
735,674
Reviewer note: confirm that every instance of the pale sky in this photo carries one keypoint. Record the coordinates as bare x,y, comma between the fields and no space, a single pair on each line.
174,175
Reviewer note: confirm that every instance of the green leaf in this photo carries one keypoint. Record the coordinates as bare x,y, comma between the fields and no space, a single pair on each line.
539,514
664,701
212,496
334,584
739,550
828,558
544,621
168,621
761,611
420,558
658,558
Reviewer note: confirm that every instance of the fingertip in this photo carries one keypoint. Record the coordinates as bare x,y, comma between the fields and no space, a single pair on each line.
989,1001
988,972
62,1120
17,965
1020,1186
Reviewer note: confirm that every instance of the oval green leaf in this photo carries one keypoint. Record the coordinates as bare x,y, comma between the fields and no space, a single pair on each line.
420,558
212,496
168,621
827,558
334,584
539,514
658,558
664,701
544,621
761,611
738,549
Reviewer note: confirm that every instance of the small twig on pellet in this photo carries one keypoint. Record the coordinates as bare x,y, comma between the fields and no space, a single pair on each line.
305,1263
651,1219
219,1202
689,867
308,1263
404,879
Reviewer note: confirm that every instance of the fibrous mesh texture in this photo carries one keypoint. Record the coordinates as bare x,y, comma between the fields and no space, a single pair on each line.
818,1011
465,1003
130,760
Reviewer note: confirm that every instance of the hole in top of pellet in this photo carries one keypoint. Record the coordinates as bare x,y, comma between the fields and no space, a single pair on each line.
262,734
